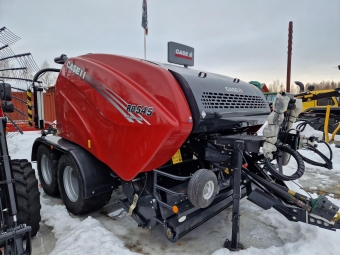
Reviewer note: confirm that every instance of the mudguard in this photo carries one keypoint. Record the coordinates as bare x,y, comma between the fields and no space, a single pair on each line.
97,177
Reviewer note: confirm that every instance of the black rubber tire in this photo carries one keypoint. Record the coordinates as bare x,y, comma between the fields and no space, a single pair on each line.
196,187
280,176
81,205
334,126
51,189
28,195
331,129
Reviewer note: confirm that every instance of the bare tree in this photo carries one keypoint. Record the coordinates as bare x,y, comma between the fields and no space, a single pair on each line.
294,88
4,65
49,78
324,85
278,86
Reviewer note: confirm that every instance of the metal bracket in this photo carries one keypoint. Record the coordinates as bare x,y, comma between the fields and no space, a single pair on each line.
233,244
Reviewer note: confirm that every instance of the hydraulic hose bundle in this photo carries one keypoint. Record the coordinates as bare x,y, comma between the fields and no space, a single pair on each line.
308,143
275,120
278,136
280,120
278,173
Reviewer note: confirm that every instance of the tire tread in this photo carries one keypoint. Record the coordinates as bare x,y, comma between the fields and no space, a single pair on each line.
53,188
81,206
28,195
196,185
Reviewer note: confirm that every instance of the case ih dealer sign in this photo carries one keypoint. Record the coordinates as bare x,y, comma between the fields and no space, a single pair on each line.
180,54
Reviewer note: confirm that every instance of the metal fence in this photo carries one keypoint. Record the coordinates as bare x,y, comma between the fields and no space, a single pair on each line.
20,99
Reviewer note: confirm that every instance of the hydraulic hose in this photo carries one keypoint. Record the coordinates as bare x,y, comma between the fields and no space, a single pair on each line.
283,192
301,126
329,148
328,161
280,176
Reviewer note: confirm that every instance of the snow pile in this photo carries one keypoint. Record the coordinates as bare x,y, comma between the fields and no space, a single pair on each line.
80,237
299,238
20,146
73,236
89,236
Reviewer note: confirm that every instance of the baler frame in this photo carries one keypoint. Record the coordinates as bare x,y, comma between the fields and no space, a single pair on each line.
235,161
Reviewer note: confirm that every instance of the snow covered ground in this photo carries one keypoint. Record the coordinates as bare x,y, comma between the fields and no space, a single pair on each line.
111,231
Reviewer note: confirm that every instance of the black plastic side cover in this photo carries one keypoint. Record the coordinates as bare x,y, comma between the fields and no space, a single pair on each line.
190,98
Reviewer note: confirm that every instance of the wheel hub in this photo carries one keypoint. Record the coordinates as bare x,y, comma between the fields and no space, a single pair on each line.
46,169
71,184
208,190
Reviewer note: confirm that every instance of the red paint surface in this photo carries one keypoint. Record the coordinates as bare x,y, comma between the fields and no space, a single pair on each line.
127,148
182,56
22,125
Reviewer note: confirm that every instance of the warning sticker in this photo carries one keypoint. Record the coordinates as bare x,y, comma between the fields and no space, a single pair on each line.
177,158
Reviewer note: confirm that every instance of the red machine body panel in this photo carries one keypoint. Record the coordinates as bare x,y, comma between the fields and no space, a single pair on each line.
129,113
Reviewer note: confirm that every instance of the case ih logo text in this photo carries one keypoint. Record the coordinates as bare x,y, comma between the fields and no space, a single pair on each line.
183,54
230,89
75,69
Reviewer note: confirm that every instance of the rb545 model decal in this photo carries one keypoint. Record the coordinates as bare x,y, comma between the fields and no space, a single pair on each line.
139,109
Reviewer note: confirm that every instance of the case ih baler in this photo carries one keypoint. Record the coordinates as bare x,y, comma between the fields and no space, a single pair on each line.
180,142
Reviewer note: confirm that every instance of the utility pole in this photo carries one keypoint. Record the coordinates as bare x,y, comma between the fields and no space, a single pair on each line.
289,60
